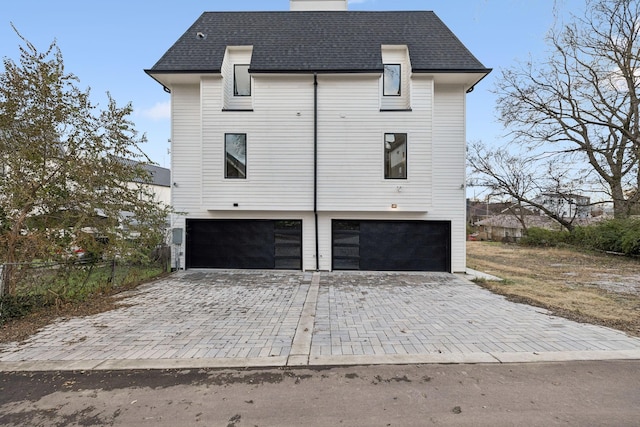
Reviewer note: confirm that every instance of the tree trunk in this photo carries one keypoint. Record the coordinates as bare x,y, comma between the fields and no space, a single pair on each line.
620,203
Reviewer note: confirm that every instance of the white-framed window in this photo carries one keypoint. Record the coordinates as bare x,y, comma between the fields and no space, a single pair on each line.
235,149
395,156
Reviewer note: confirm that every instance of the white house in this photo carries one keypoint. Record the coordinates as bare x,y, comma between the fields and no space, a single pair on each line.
566,205
156,187
319,139
159,183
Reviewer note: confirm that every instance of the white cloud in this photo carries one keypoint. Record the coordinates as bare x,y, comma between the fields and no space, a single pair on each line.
160,111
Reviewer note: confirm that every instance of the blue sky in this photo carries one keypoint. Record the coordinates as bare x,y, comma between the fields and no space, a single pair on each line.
108,44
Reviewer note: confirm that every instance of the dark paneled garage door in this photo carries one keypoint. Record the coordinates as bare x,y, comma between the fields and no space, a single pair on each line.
250,244
391,245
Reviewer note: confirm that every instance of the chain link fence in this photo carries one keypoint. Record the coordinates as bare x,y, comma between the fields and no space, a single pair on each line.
37,285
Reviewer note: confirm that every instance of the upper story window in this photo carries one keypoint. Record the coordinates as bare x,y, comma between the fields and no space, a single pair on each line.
237,83
241,80
395,156
392,80
395,82
235,147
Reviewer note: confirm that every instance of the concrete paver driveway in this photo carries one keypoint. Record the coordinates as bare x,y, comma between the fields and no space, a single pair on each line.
207,318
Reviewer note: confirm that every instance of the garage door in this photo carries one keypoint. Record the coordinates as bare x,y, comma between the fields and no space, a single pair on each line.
250,244
391,245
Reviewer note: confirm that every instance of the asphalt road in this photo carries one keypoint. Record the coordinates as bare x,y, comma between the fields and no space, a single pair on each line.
535,394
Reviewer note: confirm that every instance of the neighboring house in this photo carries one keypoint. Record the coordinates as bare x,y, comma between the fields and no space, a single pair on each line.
565,205
507,227
478,210
158,180
159,183
319,139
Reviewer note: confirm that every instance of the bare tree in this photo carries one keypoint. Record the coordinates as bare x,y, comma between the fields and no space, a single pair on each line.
581,104
520,177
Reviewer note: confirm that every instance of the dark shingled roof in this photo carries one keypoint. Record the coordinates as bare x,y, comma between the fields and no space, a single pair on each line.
159,176
300,42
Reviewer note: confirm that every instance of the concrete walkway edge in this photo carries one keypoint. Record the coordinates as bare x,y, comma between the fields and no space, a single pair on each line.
282,361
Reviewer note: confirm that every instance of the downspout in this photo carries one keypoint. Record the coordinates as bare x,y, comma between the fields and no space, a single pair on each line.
315,165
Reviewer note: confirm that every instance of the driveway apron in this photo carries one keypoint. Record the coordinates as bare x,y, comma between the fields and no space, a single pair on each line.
215,318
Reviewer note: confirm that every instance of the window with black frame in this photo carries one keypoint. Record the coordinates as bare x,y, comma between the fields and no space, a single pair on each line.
235,146
241,80
391,80
395,156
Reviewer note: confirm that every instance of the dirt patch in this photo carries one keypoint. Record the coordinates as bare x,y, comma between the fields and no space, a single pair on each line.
586,287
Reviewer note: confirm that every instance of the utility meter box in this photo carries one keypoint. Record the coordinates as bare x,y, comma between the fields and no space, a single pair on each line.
177,236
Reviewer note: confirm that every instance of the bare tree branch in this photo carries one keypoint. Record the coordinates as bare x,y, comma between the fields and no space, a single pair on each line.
583,98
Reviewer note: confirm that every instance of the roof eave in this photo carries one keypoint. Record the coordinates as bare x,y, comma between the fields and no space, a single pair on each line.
168,78
317,71
466,76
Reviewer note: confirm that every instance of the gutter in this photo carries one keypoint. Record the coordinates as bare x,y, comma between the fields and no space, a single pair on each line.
474,85
315,166
484,71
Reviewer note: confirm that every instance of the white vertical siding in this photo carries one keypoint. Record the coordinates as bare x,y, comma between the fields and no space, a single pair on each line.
351,147
279,154
279,147
449,151
351,155
351,184
186,160
186,165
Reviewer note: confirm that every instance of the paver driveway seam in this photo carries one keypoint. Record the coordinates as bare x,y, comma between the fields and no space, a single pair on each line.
301,346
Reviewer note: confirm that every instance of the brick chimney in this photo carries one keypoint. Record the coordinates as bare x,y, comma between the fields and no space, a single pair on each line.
297,5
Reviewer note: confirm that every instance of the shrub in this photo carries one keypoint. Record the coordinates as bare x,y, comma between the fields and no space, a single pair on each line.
616,235
543,237
582,237
607,236
631,238
17,306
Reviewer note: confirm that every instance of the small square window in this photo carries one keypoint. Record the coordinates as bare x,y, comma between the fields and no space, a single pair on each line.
235,146
241,80
395,156
391,80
